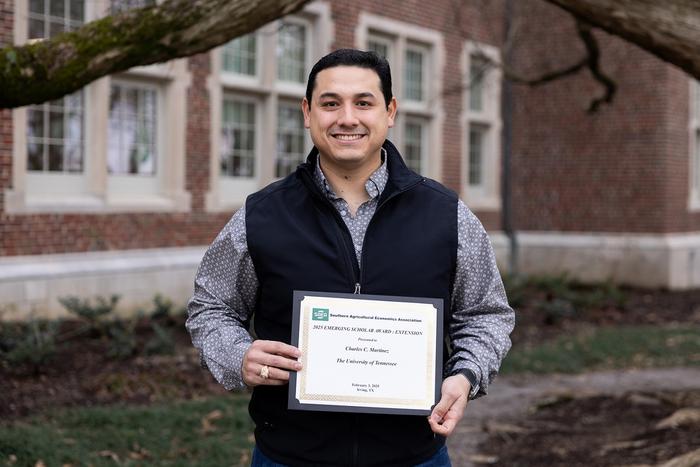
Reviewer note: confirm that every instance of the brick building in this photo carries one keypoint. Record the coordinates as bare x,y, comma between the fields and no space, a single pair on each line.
119,187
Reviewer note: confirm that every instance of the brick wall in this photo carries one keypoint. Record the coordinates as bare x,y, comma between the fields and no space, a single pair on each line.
622,169
56,233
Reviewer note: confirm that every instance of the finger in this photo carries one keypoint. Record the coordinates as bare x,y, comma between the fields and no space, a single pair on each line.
444,429
441,408
258,381
278,348
281,362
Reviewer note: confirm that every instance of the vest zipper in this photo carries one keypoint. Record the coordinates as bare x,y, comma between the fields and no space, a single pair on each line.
379,206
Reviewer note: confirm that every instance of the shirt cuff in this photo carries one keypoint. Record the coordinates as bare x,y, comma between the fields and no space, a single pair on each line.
471,377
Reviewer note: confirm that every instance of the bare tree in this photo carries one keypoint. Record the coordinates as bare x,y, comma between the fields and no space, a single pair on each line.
48,69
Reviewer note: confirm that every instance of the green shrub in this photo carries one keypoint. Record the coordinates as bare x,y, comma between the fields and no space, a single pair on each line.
94,315
31,344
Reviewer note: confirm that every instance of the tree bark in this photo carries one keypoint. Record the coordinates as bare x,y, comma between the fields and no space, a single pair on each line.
48,69
669,29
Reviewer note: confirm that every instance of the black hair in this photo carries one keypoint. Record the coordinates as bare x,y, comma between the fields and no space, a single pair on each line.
353,57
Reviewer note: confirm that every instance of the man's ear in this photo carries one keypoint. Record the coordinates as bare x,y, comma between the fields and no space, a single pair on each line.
392,108
306,110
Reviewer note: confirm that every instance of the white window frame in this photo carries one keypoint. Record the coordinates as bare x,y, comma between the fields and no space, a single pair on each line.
487,195
401,36
229,193
693,150
91,190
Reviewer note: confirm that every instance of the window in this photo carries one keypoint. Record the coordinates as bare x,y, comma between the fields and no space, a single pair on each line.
258,132
100,149
292,50
482,127
240,56
291,138
694,145
238,138
55,129
55,135
132,141
414,75
414,143
414,54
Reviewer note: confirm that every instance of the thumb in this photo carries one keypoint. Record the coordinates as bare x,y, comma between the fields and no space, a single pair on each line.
441,409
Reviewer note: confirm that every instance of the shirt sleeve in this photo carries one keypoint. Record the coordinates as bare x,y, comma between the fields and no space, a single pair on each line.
219,312
482,320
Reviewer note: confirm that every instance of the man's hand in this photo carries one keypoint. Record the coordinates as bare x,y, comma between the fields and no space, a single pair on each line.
277,356
448,412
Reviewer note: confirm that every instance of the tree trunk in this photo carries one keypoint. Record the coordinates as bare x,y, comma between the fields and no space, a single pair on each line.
52,68
669,29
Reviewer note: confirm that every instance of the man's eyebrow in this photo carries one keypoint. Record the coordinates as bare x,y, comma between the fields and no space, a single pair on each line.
333,95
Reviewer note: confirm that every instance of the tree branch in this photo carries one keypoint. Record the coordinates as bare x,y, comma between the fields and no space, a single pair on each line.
669,29
52,68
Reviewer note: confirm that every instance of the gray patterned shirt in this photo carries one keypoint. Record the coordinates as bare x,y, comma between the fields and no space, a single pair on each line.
226,286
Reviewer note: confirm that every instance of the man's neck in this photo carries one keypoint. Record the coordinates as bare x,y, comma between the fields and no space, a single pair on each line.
349,182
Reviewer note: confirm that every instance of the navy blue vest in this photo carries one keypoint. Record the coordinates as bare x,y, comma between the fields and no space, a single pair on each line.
298,241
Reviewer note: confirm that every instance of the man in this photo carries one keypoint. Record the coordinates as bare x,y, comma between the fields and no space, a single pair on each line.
352,218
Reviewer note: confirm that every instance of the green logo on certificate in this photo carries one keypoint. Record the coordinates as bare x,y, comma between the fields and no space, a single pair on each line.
319,314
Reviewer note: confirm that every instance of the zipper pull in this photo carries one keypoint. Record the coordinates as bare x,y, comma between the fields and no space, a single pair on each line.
357,288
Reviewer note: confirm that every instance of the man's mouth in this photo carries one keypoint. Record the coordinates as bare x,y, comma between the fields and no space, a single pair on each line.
345,137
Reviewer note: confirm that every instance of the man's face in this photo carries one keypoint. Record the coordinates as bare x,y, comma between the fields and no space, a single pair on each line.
348,118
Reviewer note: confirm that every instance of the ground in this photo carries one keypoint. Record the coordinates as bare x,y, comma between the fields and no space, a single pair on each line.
594,418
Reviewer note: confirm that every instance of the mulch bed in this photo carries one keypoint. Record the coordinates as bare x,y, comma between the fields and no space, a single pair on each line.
631,429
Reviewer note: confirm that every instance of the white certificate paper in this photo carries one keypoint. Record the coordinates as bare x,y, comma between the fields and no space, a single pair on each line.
366,353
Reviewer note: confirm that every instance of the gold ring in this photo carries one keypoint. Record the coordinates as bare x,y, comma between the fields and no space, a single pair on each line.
264,372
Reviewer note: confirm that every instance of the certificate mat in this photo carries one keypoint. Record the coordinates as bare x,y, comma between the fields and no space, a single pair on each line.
366,353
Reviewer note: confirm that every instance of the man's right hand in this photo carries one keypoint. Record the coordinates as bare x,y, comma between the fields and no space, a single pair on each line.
280,358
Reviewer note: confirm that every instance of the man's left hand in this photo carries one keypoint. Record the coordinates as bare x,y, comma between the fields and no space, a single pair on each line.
448,412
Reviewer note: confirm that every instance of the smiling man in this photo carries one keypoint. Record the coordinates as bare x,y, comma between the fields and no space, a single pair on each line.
352,218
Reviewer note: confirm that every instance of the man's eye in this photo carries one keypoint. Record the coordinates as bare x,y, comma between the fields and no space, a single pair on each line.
363,104
328,104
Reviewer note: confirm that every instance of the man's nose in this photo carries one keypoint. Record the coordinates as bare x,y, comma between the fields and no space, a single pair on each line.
347,116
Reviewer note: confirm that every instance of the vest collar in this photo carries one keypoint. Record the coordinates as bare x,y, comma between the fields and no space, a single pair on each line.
401,177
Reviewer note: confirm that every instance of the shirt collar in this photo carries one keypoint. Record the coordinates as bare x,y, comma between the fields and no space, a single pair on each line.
374,185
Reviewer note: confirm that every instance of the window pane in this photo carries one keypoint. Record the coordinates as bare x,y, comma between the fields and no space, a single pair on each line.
118,6
50,17
413,75
55,158
55,135
77,10
238,139
413,145
290,138
380,48
57,8
36,29
239,55
476,154
478,67
132,130
291,53
37,6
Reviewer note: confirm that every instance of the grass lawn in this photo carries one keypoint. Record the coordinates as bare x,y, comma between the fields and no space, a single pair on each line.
212,432
600,348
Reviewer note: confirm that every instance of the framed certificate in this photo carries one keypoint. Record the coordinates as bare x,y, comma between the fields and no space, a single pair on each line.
366,353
